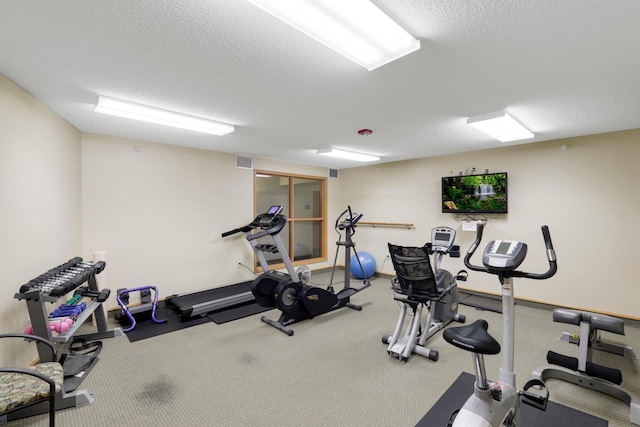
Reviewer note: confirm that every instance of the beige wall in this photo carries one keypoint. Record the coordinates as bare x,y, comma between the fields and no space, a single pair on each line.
587,195
158,211
40,223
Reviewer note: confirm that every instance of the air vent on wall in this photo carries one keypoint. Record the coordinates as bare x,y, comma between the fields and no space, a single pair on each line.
333,173
244,162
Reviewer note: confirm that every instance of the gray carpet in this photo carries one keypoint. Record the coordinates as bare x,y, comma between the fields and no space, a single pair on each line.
333,372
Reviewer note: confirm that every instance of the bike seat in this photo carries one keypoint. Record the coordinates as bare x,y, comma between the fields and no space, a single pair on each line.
473,337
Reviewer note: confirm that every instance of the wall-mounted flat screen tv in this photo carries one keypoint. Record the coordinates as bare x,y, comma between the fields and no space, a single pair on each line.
480,194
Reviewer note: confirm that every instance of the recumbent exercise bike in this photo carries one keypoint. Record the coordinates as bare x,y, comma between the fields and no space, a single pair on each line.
420,287
300,301
495,404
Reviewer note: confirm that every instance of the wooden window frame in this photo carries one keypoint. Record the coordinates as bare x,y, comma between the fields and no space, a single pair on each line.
291,220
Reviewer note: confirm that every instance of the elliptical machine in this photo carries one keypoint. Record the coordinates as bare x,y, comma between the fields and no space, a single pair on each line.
421,287
299,301
495,404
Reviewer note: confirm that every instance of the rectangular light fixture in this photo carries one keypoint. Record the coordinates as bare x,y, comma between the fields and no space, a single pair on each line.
145,113
349,155
500,126
357,29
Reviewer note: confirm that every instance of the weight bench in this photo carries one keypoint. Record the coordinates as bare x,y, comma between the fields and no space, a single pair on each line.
581,370
593,324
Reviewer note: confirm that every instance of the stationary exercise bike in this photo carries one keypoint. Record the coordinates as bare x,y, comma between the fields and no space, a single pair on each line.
419,287
495,404
300,301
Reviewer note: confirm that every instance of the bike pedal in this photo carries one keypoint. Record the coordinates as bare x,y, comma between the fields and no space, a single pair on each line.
535,400
496,394
452,418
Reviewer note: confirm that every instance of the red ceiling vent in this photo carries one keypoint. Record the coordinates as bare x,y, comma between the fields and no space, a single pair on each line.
365,132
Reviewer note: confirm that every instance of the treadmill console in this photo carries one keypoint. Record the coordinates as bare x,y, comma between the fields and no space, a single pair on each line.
268,217
442,239
504,255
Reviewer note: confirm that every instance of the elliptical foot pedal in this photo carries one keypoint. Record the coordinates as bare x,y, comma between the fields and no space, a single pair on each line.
346,293
536,400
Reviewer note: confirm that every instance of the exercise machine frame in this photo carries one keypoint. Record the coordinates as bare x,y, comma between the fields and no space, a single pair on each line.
299,301
497,404
441,299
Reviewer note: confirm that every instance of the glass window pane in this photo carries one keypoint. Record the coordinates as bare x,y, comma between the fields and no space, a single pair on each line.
302,199
272,190
307,240
307,198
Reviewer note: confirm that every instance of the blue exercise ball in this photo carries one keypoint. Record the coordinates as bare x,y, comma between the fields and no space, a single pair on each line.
368,263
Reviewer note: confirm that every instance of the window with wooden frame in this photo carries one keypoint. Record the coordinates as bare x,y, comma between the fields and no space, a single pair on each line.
303,199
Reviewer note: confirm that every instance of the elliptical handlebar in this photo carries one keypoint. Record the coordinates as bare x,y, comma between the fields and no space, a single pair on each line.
551,257
350,221
338,222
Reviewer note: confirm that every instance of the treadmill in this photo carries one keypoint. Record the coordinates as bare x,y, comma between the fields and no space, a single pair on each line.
201,303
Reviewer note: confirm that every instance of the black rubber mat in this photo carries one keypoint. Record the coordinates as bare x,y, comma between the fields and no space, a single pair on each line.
481,302
237,312
147,328
556,415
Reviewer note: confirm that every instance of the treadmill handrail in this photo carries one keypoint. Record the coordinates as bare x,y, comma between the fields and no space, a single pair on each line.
243,229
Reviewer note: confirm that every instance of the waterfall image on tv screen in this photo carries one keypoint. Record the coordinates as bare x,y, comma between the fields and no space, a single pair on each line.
484,193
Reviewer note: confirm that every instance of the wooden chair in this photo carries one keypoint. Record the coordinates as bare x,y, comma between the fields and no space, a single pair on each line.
23,388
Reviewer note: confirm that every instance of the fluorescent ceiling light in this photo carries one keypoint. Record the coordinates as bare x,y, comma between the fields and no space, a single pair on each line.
144,113
349,155
500,126
357,29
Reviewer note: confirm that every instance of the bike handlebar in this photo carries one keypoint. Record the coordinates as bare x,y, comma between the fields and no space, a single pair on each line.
551,257
472,249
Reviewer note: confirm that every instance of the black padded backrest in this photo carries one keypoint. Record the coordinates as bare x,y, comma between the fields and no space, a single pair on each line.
413,270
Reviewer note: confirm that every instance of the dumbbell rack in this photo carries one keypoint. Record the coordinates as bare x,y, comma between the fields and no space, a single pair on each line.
49,287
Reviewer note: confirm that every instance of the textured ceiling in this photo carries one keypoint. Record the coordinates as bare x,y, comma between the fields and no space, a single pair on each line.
563,68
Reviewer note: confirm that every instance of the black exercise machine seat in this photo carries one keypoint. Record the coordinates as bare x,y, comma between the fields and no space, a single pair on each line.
414,274
473,337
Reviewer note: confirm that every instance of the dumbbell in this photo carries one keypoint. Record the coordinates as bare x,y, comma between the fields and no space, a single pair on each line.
69,310
60,326
99,266
74,300
100,296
